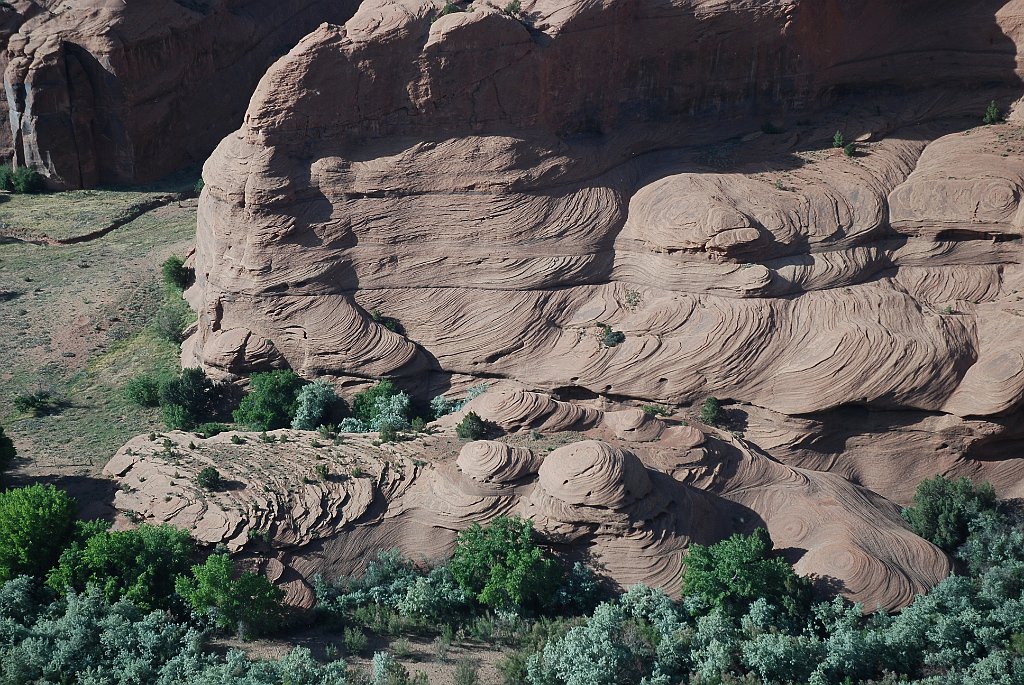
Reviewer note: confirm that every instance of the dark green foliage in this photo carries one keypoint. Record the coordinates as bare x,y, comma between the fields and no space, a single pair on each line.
513,9
388,322
140,565
355,641
187,399
364,405
21,180
449,8
248,604
209,478
36,523
837,140
850,149
143,390
943,509
387,433
771,129
502,567
37,403
210,429
711,412
174,273
7,453
739,570
170,320
992,114
271,401
471,427
199,185
610,337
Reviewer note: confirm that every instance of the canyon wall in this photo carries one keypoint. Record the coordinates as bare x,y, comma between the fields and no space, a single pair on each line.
639,201
101,92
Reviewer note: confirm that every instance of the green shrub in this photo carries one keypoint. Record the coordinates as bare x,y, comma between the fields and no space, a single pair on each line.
502,567
390,323
992,114
7,453
383,403
175,275
387,433
513,9
140,565
143,390
186,399
466,673
314,402
610,337
249,604
209,478
471,427
838,141
37,403
355,641
850,149
36,523
210,429
271,401
171,319
943,510
21,180
739,570
711,412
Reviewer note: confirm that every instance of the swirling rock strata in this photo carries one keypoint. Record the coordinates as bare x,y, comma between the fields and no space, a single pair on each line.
631,507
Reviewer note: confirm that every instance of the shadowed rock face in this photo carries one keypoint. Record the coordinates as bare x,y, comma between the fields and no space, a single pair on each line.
125,91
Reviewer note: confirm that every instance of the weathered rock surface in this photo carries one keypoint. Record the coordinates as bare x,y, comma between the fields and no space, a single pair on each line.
515,191
631,506
124,91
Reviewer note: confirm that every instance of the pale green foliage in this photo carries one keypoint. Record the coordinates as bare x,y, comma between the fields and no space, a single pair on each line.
83,639
435,597
592,654
351,424
313,403
392,410
441,406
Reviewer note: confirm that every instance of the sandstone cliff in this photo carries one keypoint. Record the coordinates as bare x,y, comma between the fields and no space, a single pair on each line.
126,91
517,189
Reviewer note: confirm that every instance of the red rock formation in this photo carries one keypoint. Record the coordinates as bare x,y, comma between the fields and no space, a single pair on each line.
124,91
513,190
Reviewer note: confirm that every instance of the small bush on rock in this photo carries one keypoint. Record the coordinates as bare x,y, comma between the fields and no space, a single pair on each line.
711,412
992,114
209,478
471,427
